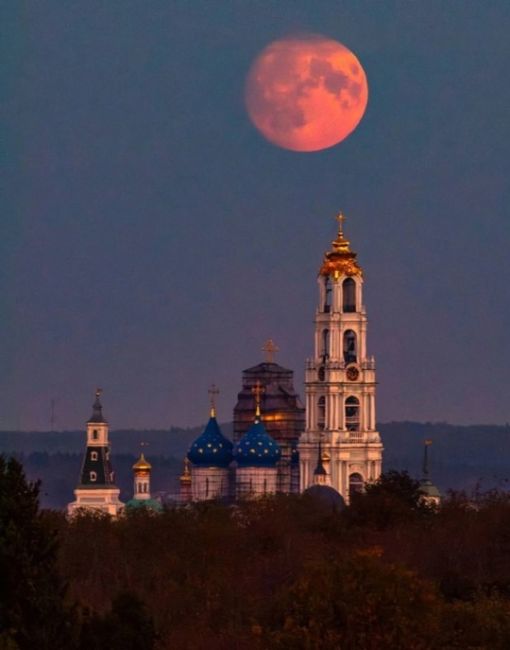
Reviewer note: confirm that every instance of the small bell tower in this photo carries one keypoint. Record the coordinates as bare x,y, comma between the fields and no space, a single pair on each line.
340,379
97,489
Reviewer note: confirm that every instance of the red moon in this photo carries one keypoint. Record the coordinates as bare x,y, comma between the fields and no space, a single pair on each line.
306,93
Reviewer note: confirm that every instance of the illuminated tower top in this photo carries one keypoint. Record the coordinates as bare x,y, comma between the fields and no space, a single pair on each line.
340,260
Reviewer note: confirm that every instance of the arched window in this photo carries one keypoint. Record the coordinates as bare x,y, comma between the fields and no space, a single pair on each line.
350,352
93,455
321,412
349,295
355,484
325,343
327,294
93,476
321,373
94,434
352,414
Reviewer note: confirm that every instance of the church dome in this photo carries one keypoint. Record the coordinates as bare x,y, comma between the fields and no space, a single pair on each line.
341,260
429,489
142,464
327,496
256,448
211,448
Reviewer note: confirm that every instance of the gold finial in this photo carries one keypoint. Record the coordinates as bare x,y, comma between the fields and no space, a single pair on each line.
213,391
270,349
98,392
428,443
186,474
340,244
257,391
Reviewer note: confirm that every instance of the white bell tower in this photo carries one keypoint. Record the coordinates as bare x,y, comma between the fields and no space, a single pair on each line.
340,380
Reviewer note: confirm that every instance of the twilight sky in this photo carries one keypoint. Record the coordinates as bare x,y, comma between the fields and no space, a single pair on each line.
152,240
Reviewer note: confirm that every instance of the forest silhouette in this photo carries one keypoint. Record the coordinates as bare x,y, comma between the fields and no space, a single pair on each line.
285,572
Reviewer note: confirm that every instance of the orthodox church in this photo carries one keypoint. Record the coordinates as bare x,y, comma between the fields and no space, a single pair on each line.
333,442
329,448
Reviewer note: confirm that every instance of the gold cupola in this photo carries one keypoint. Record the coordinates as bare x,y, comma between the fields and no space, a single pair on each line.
185,477
341,260
142,464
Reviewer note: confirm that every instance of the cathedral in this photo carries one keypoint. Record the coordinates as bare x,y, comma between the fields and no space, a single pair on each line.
330,446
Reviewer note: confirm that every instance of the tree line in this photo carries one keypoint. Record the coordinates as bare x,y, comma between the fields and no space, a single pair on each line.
283,572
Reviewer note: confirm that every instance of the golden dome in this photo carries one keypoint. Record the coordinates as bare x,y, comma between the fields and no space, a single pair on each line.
142,464
340,260
326,456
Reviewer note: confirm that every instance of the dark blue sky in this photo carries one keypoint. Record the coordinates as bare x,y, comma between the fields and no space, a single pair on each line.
152,240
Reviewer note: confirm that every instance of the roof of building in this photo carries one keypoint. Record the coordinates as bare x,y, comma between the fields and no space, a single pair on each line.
142,464
341,260
257,448
268,367
211,448
150,504
428,488
326,496
97,410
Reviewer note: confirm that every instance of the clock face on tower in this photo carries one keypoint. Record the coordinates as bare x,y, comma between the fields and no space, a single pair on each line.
352,373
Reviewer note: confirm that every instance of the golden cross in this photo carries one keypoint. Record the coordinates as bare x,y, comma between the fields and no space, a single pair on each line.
341,219
257,391
270,349
213,391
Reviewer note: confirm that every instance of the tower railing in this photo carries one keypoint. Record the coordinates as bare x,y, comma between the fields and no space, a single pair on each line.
315,364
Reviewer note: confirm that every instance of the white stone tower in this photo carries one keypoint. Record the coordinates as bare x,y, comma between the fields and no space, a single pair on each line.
97,489
340,380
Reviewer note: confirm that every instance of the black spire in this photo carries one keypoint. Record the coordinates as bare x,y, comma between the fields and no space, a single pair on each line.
319,470
97,408
426,459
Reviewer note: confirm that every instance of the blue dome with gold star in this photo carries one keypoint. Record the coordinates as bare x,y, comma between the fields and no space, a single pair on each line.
256,448
211,448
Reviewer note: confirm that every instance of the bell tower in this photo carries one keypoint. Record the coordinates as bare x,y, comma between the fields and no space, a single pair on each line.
340,379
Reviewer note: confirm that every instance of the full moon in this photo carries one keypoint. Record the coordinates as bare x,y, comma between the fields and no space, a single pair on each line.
306,93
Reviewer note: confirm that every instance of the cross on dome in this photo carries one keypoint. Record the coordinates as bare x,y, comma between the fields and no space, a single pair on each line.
213,392
341,220
270,348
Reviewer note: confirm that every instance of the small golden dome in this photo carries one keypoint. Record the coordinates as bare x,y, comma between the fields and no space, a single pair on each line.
186,474
340,260
142,464
326,456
